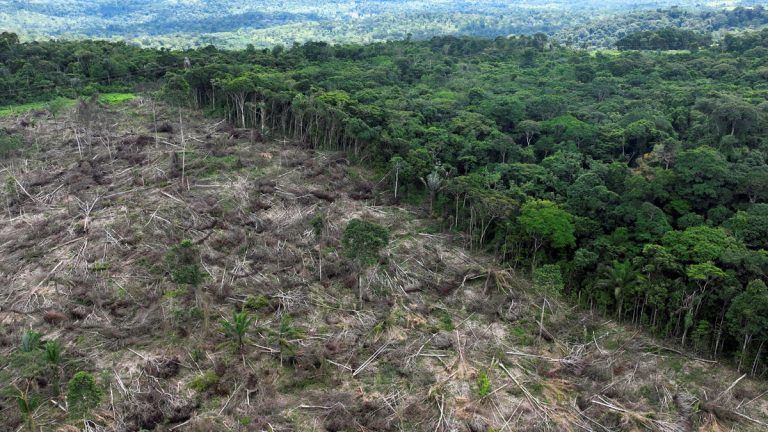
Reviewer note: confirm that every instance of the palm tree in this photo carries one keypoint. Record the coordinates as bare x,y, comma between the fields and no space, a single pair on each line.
238,327
621,277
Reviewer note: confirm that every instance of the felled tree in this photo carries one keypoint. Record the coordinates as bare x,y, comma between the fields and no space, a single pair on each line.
362,242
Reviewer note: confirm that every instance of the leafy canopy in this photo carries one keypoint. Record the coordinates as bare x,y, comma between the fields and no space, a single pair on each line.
545,220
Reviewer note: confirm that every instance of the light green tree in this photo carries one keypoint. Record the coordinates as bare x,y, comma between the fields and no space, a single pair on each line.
544,222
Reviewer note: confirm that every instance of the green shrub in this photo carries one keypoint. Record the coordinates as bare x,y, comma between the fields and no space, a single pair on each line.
548,279
446,322
204,382
362,241
256,303
483,384
27,405
287,334
83,394
56,106
29,361
318,224
53,353
8,144
182,262
30,341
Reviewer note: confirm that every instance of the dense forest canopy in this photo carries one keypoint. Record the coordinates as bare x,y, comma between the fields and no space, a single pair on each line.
642,176
235,24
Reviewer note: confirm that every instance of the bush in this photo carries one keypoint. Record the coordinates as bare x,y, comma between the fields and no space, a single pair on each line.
27,405
483,384
548,279
30,341
204,382
182,261
8,144
362,241
56,106
83,394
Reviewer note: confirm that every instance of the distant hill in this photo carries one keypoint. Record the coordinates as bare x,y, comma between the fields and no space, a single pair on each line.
235,24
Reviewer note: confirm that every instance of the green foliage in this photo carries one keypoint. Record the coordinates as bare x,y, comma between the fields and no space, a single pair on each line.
116,98
204,382
701,334
30,341
237,328
286,336
256,303
53,352
748,314
703,271
621,279
54,357
444,319
287,329
27,405
665,39
362,241
56,106
751,226
8,143
698,244
545,221
317,223
483,384
548,279
182,264
176,90
83,394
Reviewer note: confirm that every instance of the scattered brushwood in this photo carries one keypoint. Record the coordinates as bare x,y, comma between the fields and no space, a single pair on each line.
153,406
362,191
324,195
162,367
165,127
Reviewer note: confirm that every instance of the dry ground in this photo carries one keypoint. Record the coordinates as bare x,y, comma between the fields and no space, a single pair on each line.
92,204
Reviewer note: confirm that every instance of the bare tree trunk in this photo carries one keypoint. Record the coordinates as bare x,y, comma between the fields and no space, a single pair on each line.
397,175
183,152
747,337
756,362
